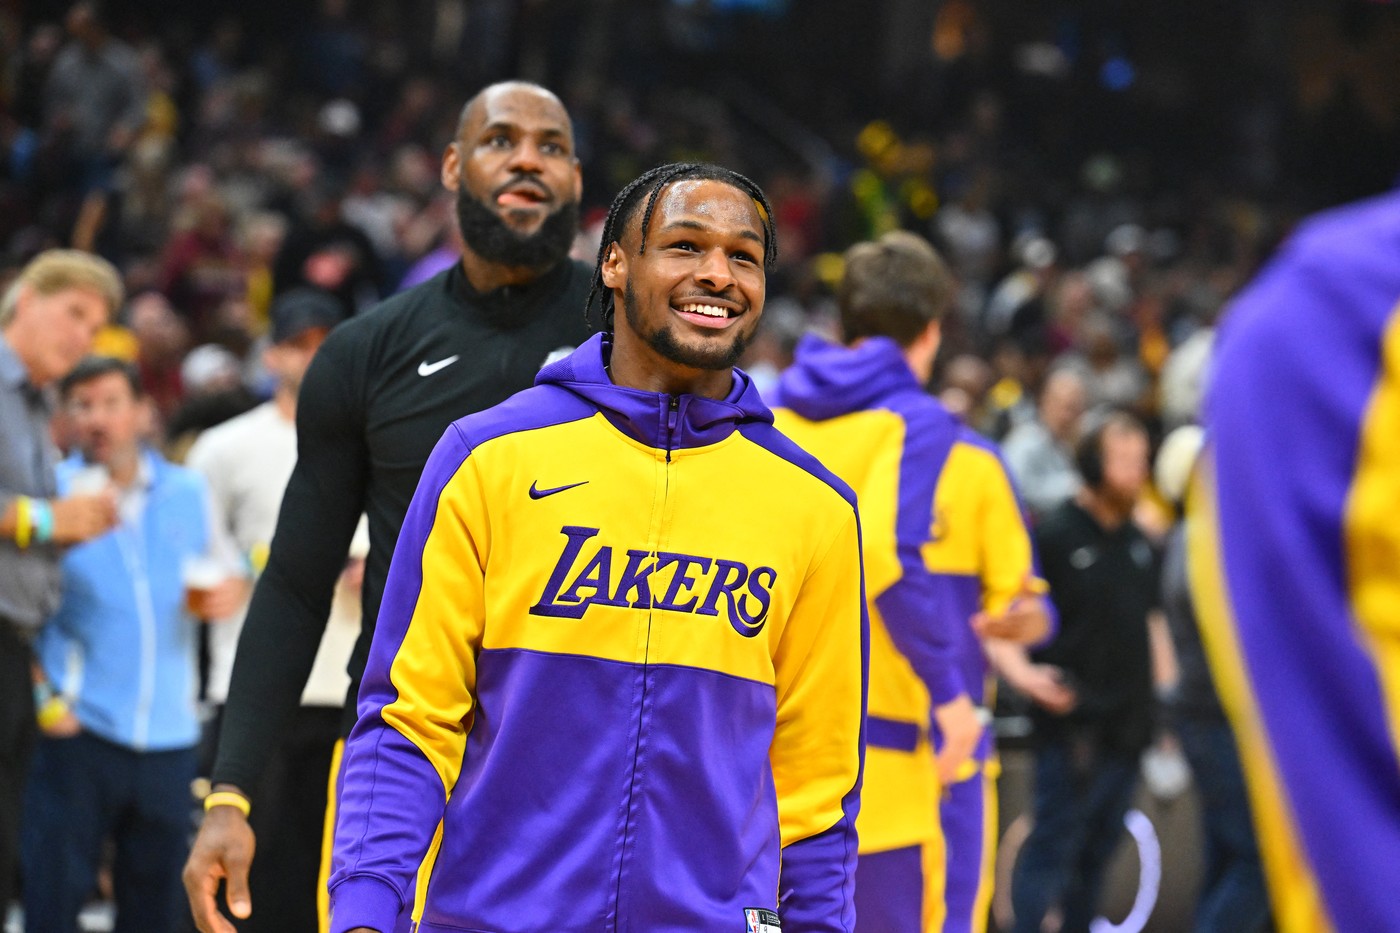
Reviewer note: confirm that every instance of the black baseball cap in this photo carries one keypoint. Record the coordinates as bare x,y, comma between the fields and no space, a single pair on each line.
296,311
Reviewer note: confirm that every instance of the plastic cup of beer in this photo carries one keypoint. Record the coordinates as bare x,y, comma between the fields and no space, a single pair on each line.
200,575
90,480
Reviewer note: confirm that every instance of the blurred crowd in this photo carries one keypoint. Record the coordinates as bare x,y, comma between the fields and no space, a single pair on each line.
219,162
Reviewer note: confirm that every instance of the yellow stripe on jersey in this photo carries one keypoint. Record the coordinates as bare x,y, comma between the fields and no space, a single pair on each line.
323,875
935,864
1298,906
982,905
425,874
1372,527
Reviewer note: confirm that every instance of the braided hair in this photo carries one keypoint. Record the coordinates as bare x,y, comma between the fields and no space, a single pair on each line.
649,185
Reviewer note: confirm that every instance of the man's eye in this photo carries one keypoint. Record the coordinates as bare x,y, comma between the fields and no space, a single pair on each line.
552,149
683,245
498,141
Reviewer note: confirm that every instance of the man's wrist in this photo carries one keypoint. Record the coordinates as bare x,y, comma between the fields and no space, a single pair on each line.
41,520
228,795
24,523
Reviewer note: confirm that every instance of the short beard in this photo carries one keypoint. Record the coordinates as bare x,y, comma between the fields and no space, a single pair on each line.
490,238
663,341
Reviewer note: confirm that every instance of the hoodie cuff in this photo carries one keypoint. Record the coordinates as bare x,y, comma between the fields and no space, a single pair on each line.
945,686
364,901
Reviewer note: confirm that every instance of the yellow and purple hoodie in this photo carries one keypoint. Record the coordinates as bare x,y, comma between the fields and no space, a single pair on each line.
1294,539
945,537
621,659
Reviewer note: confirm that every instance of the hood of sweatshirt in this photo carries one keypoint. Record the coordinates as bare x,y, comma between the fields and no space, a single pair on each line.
827,380
656,419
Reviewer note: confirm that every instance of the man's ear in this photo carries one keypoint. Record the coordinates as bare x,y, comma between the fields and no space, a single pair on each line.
932,336
614,271
451,166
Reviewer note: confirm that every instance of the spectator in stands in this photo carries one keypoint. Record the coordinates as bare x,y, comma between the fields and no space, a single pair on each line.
94,105
49,316
1039,452
1092,687
118,660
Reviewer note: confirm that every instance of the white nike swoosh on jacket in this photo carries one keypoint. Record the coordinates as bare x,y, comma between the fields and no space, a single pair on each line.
427,369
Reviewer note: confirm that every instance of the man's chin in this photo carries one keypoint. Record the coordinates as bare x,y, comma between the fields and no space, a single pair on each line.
524,222
709,353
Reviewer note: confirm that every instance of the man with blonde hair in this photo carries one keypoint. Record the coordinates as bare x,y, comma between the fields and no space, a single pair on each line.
48,319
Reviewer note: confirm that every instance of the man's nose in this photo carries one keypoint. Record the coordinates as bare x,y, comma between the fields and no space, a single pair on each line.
526,157
715,270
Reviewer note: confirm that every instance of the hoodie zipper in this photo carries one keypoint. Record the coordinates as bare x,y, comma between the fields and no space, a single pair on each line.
672,416
672,420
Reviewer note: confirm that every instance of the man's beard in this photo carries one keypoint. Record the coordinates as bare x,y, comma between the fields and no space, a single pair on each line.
490,238
663,341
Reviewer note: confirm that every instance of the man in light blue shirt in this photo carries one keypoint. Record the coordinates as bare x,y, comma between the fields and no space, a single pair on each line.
120,655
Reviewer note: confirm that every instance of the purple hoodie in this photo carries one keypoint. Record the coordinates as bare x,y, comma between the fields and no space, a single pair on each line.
621,660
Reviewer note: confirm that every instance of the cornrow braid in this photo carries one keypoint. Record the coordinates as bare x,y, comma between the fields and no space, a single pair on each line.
650,184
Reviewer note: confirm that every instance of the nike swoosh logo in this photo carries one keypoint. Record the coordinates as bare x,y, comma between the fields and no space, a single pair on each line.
427,369
536,493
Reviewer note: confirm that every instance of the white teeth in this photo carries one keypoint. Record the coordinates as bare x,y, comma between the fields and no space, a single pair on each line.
707,310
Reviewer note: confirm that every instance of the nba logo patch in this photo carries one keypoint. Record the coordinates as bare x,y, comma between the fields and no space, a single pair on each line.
758,920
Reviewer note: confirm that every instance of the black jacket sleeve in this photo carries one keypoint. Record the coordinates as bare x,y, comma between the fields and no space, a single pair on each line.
292,600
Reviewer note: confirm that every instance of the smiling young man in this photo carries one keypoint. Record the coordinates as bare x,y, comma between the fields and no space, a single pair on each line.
620,657
378,395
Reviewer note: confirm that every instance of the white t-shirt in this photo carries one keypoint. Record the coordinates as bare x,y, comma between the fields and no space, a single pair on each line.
247,461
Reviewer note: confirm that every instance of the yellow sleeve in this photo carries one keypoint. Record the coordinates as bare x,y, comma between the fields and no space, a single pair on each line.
1006,559
979,529
417,696
819,668
434,670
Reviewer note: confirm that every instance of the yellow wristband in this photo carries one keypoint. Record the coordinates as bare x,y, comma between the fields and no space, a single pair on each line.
227,798
52,712
24,525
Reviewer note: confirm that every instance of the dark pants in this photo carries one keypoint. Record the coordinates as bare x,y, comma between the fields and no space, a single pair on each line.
1233,897
17,734
1081,795
83,790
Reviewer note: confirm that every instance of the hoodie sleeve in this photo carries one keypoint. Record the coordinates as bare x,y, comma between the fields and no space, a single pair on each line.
915,608
818,749
417,698
1007,559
